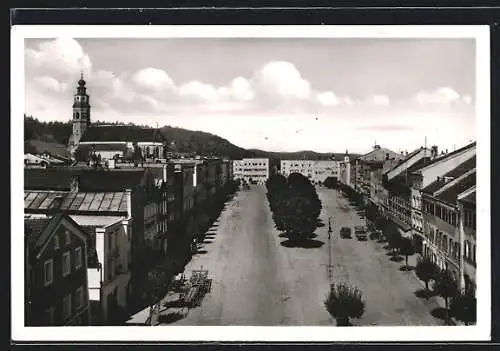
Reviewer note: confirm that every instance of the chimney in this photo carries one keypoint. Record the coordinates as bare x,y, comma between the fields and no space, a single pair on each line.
406,153
55,207
387,156
128,194
434,151
164,173
75,184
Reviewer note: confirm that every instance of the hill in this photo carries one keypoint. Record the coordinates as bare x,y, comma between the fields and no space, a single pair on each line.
53,138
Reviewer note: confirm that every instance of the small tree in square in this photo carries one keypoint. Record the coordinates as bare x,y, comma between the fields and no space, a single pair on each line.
463,307
345,302
446,286
406,249
426,270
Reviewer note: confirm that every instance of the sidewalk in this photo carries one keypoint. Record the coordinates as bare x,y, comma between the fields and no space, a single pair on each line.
412,261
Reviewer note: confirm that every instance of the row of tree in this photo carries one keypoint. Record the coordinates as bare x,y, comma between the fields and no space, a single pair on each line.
460,304
294,203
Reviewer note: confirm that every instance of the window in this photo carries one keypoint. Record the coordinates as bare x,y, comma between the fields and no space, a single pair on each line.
79,298
66,263
68,237
66,306
56,242
49,316
78,257
48,268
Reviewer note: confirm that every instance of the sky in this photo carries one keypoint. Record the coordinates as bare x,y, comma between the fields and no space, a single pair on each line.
281,94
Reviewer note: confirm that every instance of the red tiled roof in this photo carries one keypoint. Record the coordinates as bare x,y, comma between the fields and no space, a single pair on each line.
454,173
450,195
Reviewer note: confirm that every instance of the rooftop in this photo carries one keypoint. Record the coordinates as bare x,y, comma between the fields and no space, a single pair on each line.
122,133
73,202
94,222
471,198
454,173
90,180
441,157
450,195
33,228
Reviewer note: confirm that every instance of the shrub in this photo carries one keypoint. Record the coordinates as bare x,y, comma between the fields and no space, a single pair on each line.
344,302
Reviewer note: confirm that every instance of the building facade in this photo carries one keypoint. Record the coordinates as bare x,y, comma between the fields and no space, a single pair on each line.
109,267
445,242
251,170
56,258
315,170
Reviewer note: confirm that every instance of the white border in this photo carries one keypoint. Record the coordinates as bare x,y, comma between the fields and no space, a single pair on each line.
481,331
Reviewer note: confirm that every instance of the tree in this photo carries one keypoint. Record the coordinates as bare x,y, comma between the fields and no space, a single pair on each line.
406,249
426,270
394,238
446,286
344,302
463,307
330,182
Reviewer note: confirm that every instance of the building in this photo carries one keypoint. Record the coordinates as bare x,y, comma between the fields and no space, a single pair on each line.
56,272
345,175
398,183
110,141
251,170
109,261
467,232
126,193
238,169
447,166
365,164
316,170
443,213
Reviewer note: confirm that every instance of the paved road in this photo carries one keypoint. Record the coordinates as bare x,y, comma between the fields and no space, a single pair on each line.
259,281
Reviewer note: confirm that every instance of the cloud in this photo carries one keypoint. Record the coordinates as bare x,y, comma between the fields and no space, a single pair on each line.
59,58
53,66
442,95
152,79
49,84
467,99
380,100
280,80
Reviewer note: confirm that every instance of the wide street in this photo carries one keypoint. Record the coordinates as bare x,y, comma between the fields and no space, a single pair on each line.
258,279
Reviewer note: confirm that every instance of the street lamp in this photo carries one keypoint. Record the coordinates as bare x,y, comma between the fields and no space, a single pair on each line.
330,266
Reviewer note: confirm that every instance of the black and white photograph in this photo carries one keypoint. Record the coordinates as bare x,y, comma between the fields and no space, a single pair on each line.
191,182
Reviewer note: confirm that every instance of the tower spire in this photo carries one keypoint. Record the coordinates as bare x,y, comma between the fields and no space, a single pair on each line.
81,73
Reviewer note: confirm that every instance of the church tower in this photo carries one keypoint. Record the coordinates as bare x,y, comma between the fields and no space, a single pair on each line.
81,114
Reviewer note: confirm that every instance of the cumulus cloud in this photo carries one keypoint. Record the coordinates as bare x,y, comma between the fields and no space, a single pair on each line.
54,67
467,99
442,95
60,58
152,79
49,84
280,80
380,100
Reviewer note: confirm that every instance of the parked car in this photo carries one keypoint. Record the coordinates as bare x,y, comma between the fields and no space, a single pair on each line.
345,232
360,232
